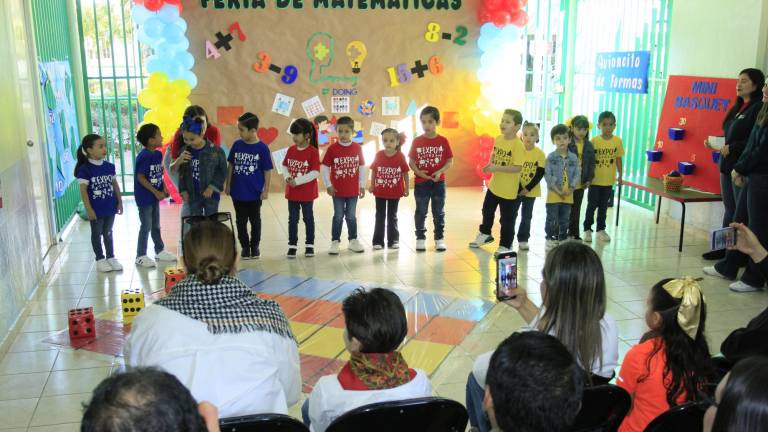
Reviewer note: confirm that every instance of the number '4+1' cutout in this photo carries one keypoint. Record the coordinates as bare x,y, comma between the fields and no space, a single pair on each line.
211,51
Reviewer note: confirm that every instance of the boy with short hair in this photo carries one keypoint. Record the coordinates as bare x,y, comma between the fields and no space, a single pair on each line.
376,325
562,173
343,171
429,158
608,164
149,190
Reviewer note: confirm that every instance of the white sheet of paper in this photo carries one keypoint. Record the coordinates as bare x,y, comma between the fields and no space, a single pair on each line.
313,106
340,104
716,142
377,128
390,105
283,104
278,156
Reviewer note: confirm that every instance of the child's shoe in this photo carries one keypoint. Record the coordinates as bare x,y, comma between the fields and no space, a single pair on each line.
603,236
245,253
741,287
102,266
356,246
588,236
255,252
145,261
440,245
421,245
551,244
501,250
165,256
334,250
378,247
480,240
523,246
309,251
291,252
116,266
395,245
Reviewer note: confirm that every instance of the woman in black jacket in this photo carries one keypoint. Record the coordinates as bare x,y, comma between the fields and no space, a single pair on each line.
737,126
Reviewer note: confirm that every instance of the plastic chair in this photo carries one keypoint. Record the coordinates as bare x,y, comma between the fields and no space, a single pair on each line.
262,423
430,414
602,409
688,417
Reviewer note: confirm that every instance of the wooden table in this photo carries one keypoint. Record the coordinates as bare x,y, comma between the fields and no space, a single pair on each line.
656,187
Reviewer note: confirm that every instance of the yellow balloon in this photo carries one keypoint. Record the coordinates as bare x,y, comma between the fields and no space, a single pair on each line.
157,80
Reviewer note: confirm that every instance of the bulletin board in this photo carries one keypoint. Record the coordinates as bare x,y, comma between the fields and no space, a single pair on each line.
698,106
287,63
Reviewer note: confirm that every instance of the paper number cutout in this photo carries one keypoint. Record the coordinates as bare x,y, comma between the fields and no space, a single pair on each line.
433,32
392,77
235,28
211,51
403,73
264,62
435,67
289,74
462,33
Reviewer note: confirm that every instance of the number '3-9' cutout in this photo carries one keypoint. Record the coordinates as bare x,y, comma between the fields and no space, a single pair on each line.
289,74
264,61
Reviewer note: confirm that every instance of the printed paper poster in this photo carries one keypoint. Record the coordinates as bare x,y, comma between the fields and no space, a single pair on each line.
390,105
278,156
283,104
340,104
377,128
312,106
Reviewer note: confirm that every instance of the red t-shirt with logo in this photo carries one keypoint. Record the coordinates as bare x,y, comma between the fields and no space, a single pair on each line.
430,155
387,175
300,162
345,163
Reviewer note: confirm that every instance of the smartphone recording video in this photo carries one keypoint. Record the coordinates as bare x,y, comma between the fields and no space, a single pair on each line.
506,275
723,238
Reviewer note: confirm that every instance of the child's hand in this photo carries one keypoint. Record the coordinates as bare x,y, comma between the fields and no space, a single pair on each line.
436,177
488,168
119,207
370,188
362,193
725,151
264,195
91,214
331,191
523,191
290,181
208,192
226,189
587,184
160,195
405,192
185,156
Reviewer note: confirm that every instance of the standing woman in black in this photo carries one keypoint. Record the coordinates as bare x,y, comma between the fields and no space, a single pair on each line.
737,125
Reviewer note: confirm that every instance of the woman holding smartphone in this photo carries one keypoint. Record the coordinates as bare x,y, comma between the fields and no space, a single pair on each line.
573,311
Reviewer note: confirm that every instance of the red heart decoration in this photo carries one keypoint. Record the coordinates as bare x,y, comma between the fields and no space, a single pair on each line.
267,135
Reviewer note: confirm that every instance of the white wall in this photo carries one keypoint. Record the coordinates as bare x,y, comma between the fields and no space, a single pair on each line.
715,38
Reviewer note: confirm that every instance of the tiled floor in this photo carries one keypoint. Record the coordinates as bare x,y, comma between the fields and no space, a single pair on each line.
42,386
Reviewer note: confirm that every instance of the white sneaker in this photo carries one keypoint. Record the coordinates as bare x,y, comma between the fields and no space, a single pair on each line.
550,244
587,236
165,256
378,247
741,287
501,250
334,250
395,245
440,245
480,240
523,246
145,261
102,266
116,266
712,271
603,236
421,245
356,246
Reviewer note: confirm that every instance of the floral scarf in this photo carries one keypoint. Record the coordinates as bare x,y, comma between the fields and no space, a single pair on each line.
375,371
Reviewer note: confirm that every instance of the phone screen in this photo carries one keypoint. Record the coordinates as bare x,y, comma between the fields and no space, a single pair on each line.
723,238
506,276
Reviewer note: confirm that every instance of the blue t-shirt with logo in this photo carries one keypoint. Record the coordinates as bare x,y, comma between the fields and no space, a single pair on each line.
150,165
101,191
249,162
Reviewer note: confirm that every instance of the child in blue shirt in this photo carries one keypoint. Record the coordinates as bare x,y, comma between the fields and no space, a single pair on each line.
149,190
101,197
248,183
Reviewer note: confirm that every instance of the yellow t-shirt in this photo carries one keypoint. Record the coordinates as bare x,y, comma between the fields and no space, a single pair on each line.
606,152
554,197
506,153
532,159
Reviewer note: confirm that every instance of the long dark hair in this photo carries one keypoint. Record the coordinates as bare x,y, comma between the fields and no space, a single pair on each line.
193,111
744,404
579,121
305,127
758,79
87,142
688,364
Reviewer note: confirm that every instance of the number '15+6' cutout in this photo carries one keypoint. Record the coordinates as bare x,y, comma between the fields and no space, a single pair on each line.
434,34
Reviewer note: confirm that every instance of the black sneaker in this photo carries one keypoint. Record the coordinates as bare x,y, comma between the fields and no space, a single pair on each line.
714,255
309,251
291,252
255,252
245,253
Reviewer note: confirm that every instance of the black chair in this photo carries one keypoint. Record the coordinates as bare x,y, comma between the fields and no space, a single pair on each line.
688,417
602,409
430,414
262,423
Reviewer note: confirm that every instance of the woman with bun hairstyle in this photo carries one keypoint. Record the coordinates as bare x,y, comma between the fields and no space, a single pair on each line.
227,345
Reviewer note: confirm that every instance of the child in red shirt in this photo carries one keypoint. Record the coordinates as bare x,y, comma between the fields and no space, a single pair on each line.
343,171
672,361
302,163
430,157
389,182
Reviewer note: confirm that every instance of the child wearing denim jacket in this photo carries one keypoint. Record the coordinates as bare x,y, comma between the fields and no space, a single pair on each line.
562,173
202,173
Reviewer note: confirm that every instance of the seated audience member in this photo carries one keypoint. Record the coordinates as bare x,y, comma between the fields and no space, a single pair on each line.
573,311
376,372
222,341
146,400
741,399
534,385
672,361
753,339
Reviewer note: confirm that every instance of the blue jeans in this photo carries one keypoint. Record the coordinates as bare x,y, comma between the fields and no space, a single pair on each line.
344,209
199,206
524,230
423,193
730,193
598,198
558,219
149,215
474,400
101,228
305,207
386,210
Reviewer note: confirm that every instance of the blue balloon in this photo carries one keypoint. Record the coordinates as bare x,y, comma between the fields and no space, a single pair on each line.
143,37
153,27
140,14
166,50
172,33
185,59
510,32
484,43
489,30
168,13
181,23
190,77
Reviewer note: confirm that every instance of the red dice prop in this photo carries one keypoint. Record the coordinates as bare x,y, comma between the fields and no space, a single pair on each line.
81,323
172,277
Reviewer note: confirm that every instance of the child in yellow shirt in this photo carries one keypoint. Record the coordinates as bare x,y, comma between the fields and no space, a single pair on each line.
533,161
608,153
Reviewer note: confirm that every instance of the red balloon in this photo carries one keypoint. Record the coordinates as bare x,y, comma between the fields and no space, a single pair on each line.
512,5
519,18
153,5
483,16
501,18
492,5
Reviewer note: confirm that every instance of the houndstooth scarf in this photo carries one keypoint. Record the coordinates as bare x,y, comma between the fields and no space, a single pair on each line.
227,307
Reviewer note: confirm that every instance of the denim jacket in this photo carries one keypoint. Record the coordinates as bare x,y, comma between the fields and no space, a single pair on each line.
587,160
213,170
553,171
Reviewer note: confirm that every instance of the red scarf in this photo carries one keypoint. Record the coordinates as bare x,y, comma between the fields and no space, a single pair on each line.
375,371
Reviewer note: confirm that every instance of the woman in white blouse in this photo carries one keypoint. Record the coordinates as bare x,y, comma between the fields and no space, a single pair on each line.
573,310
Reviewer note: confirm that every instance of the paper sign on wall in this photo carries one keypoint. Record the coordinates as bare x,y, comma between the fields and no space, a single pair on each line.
312,106
390,105
282,105
228,115
278,156
377,128
411,110
340,104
